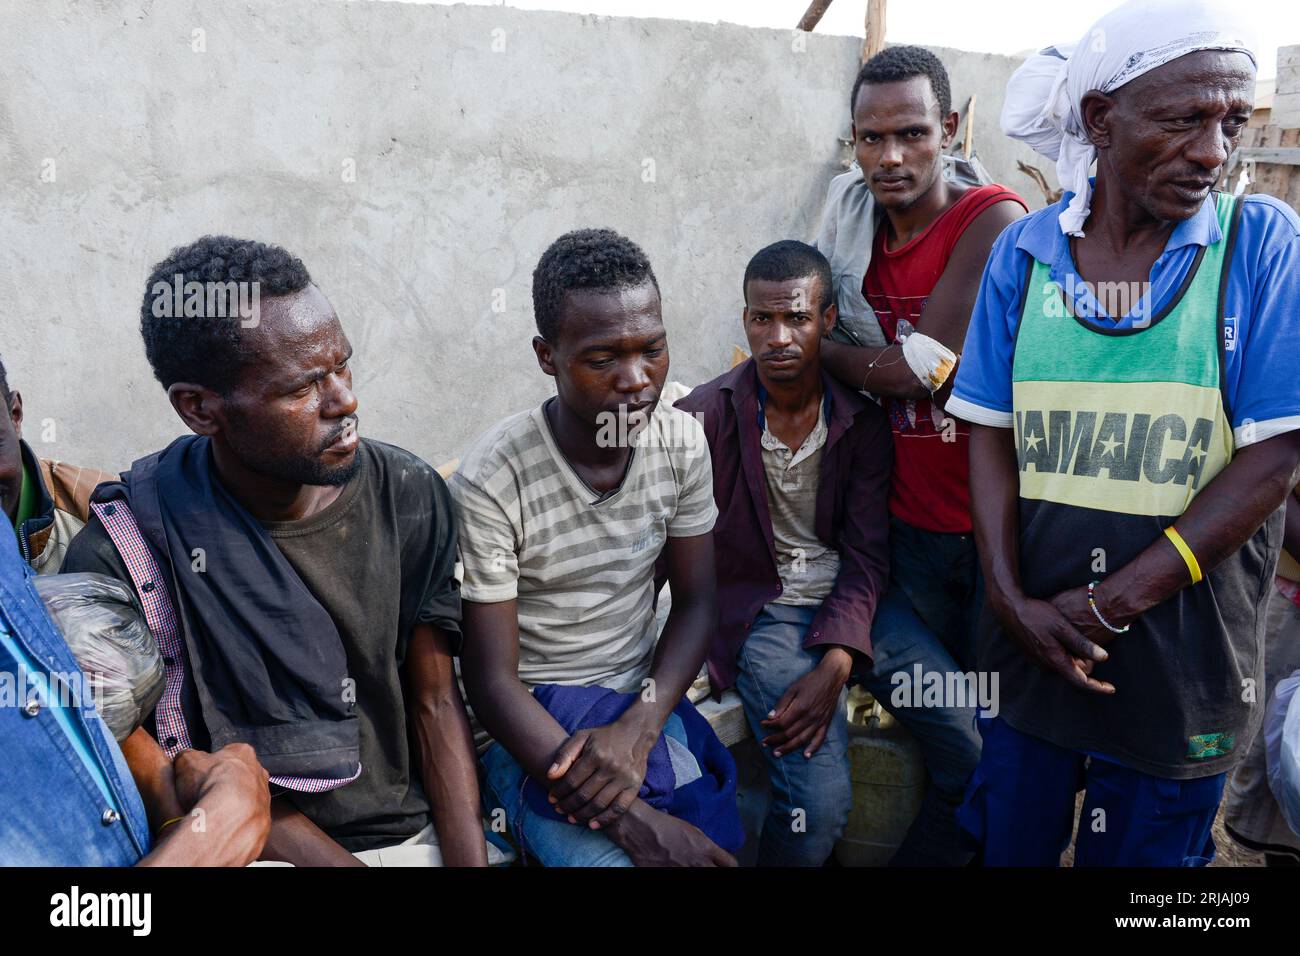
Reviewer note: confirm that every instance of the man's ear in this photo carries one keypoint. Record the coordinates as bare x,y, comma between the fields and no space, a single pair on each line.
16,412
200,408
545,355
1097,110
828,318
949,129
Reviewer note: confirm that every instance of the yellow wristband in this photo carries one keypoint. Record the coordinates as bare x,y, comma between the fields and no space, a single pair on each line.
1192,565
167,823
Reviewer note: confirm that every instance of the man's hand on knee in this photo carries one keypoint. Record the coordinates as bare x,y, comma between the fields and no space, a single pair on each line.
803,715
598,772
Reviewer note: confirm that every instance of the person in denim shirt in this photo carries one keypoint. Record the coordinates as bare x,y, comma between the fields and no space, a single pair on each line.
66,795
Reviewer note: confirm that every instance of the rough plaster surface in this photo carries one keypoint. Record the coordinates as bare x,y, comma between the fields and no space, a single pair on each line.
468,161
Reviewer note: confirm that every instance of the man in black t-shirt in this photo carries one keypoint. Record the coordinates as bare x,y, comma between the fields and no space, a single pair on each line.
311,604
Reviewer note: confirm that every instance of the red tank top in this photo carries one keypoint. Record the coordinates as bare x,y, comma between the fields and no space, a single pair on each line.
931,481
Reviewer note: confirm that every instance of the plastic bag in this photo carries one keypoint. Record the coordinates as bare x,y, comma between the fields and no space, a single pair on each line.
107,634
1282,748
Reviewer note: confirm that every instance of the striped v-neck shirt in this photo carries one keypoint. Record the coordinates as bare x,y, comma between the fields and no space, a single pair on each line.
580,566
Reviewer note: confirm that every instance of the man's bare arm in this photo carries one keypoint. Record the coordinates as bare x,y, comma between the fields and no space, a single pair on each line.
229,815
1039,629
1220,519
501,702
445,745
152,772
295,839
946,316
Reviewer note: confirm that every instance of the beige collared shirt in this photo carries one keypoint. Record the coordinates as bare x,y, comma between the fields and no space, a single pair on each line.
807,567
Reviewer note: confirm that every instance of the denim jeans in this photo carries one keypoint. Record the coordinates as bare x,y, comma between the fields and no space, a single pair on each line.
939,573
552,842
927,618
811,797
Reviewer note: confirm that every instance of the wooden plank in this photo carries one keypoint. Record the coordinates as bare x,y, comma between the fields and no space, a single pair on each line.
969,144
875,41
1289,188
726,717
1280,155
1266,177
813,15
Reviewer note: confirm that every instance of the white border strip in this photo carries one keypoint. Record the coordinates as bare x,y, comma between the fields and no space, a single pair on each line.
987,416
1254,432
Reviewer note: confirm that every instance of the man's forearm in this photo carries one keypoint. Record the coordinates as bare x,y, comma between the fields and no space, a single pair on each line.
451,780
1220,519
152,773
217,832
852,366
296,839
517,722
678,658
995,494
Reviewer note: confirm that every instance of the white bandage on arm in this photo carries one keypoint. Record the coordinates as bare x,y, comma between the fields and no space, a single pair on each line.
929,359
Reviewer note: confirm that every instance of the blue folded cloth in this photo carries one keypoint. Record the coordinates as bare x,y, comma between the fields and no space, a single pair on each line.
694,780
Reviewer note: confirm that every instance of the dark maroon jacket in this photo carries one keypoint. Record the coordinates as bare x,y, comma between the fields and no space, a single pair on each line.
852,515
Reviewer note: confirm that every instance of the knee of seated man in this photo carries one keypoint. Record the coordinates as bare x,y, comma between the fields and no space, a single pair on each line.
823,795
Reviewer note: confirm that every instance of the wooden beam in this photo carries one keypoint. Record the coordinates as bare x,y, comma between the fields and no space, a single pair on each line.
813,15
875,41
969,143
1283,156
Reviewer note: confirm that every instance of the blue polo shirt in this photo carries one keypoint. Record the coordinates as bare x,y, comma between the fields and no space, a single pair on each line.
1261,304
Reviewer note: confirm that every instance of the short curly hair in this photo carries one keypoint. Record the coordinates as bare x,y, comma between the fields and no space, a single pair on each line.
4,388
209,349
897,63
594,260
790,259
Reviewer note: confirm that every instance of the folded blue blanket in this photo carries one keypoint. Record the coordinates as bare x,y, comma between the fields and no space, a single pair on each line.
694,781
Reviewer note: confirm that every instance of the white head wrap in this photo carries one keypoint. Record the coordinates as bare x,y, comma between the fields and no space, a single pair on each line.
1043,96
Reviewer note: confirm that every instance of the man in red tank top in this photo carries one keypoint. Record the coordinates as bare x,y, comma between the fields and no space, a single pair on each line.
925,266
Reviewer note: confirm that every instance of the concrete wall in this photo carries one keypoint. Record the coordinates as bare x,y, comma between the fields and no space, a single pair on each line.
477,136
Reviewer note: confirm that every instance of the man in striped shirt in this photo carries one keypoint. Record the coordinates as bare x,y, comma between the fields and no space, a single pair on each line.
564,510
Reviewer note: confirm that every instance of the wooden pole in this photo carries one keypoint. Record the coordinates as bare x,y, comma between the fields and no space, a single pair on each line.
875,41
812,16
969,143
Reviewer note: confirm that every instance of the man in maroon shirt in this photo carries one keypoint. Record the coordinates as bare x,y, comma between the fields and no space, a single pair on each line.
926,260
800,478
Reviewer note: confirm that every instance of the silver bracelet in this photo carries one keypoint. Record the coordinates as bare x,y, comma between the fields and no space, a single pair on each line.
1096,611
